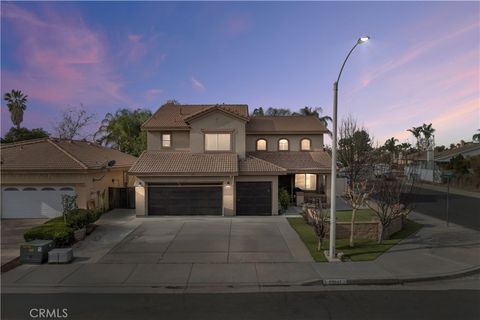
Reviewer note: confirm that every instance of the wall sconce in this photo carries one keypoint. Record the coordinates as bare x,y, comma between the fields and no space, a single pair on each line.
227,186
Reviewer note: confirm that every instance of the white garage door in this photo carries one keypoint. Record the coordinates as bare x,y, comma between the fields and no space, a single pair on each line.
33,201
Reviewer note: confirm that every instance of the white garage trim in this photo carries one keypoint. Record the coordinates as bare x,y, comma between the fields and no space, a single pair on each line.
21,202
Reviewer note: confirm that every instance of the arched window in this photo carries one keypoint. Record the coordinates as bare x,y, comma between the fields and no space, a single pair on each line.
66,189
283,145
29,189
48,189
305,144
10,189
261,145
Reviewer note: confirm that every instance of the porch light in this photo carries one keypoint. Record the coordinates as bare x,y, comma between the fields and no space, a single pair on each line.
227,186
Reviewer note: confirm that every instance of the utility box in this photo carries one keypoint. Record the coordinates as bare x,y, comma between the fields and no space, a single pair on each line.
64,255
35,251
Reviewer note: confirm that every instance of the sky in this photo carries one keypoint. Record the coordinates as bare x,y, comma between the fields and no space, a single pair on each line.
422,64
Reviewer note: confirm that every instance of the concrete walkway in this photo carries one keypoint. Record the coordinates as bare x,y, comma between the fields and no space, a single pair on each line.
434,252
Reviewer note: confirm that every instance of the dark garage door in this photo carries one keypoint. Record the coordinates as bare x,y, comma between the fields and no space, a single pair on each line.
254,198
184,200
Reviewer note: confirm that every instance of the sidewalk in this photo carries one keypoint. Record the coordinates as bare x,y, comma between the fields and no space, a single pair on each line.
434,252
443,188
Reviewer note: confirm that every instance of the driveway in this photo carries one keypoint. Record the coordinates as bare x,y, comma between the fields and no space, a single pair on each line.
12,236
209,240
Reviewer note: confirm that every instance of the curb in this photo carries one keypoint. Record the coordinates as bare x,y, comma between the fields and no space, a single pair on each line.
392,281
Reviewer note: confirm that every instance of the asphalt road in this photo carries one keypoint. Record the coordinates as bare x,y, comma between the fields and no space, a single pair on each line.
368,305
464,211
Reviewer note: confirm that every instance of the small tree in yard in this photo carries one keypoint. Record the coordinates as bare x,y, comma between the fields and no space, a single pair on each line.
389,200
356,195
320,225
69,203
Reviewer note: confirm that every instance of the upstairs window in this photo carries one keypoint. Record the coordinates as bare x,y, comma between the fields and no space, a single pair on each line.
305,144
218,142
166,140
283,145
261,145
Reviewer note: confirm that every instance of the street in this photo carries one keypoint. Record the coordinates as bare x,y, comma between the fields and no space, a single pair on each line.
361,304
464,210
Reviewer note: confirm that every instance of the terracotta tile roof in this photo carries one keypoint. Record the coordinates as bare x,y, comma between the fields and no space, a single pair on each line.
252,165
177,163
448,154
172,116
290,124
297,161
52,154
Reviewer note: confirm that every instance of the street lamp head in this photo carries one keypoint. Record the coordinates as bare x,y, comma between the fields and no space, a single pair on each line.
363,39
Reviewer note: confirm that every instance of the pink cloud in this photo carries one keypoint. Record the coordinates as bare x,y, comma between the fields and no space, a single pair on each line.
237,24
412,53
135,47
63,61
197,85
152,94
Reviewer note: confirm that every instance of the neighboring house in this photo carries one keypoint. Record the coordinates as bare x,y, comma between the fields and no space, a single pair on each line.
35,173
216,160
421,164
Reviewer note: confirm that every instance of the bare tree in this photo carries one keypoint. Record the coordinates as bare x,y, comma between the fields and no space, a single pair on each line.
73,121
354,151
356,195
389,200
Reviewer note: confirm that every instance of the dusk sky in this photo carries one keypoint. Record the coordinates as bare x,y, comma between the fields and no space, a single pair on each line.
422,64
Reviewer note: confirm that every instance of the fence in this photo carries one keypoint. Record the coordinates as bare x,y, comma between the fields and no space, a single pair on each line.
121,198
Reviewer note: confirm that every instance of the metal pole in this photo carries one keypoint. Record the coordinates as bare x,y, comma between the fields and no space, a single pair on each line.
333,198
448,199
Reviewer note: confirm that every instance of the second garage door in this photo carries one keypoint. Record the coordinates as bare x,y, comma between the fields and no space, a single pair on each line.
254,198
185,200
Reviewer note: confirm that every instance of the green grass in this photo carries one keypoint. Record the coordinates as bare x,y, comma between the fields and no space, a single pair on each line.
362,215
364,250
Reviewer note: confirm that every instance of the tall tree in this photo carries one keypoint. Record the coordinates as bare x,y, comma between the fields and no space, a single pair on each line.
309,111
17,104
391,147
21,134
258,112
278,112
476,136
73,121
424,136
122,130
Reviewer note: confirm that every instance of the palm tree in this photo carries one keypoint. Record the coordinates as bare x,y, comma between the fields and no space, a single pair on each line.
258,112
476,136
309,111
16,103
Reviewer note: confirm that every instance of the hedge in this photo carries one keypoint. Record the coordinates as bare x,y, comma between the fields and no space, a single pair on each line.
56,230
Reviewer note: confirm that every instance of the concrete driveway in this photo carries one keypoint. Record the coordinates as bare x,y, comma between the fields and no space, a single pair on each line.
12,236
209,240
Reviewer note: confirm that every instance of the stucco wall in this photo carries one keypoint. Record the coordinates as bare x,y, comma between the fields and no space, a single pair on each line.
85,187
217,121
180,140
294,141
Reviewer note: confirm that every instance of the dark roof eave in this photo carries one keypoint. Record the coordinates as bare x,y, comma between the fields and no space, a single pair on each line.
285,132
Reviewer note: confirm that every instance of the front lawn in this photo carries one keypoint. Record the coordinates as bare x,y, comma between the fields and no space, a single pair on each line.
364,250
362,215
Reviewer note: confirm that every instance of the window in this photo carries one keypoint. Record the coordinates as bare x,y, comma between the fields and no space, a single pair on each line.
307,182
261,145
283,145
305,144
29,189
10,189
48,189
66,189
166,140
218,142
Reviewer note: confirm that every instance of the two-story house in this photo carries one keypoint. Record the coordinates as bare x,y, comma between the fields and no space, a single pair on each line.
217,160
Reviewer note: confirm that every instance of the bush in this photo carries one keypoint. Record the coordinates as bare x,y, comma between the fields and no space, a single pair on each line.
283,198
54,229
80,218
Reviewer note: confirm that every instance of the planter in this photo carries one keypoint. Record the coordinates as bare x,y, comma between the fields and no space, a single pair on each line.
90,228
80,234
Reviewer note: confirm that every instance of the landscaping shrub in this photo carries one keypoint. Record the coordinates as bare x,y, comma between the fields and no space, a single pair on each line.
80,218
283,198
54,229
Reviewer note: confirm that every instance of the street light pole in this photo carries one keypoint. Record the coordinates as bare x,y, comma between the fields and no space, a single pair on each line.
333,199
